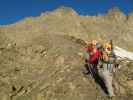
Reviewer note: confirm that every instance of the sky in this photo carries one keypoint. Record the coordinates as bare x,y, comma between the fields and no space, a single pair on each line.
12,11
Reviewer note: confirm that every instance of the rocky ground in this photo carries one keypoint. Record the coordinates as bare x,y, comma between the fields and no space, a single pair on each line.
39,61
50,69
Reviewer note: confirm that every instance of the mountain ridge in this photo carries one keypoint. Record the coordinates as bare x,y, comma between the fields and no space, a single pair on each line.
39,57
64,20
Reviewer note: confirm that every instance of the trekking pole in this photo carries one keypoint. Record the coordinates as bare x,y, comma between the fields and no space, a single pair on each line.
90,69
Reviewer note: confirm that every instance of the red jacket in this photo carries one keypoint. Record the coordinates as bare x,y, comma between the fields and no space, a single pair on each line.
94,57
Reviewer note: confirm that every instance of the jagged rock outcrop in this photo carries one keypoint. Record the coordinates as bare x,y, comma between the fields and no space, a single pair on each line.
115,14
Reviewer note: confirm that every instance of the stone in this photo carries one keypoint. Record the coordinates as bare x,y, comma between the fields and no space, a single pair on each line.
59,61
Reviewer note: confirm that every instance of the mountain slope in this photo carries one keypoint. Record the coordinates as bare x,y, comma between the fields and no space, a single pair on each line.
39,57
114,25
49,68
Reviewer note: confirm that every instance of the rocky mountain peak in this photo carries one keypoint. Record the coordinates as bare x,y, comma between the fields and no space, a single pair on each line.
62,10
39,56
116,14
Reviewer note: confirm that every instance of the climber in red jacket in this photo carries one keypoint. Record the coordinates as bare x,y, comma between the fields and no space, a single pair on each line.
93,53
91,56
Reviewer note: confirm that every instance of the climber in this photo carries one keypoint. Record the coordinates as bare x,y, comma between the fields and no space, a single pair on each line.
91,56
100,61
106,63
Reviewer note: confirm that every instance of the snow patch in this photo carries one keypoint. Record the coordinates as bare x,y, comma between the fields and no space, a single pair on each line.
122,53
